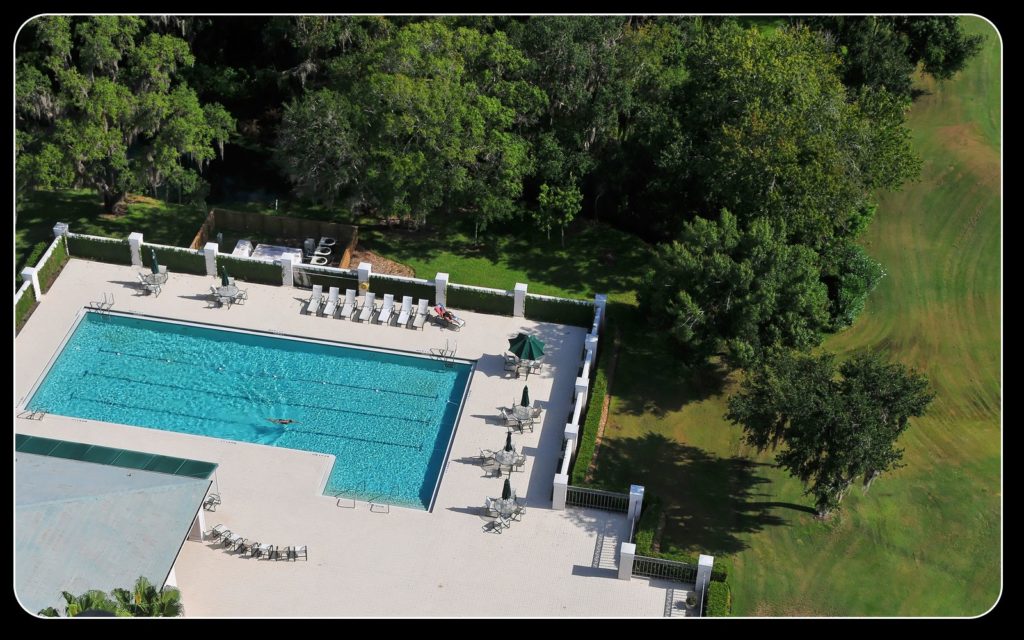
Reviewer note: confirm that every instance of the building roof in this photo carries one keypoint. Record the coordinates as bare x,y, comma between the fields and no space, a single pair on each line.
89,525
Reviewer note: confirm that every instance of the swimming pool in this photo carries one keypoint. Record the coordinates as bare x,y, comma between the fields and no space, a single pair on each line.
388,418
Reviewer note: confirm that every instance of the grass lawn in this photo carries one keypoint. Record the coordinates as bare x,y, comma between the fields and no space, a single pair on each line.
925,540
82,209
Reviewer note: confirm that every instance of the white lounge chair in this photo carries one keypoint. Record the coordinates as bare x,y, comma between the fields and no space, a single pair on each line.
421,314
369,302
386,309
350,304
332,302
403,317
316,299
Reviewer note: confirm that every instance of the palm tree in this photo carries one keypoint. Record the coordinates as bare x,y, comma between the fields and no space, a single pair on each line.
145,601
94,599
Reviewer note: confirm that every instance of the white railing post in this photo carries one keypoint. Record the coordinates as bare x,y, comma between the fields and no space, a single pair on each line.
519,308
704,565
582,384
288,269
636,501
601,302
60,229
31,274
441,289
135,242
561,487
627,552
210,253
365,269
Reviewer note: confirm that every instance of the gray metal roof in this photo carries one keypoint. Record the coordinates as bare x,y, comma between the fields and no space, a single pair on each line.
83,525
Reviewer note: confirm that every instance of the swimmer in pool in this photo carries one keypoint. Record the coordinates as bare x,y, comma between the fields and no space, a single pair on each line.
282,420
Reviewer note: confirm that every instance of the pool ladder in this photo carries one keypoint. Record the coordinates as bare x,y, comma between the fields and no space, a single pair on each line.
382,503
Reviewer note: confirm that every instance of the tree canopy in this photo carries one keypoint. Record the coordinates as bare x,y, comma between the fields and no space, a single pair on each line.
100,103
834,423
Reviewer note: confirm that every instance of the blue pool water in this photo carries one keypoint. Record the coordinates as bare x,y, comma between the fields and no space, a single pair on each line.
387,418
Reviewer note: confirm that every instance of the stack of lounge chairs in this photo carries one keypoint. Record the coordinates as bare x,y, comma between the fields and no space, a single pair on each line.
349,308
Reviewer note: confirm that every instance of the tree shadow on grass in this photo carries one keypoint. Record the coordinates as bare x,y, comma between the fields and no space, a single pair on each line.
707,500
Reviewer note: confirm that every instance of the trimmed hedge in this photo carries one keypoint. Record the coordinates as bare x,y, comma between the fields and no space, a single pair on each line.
23,309
644,539
718,601
113,251
327,281
480,301
176,260
401,288
249,270
588,439
543,310
33,258
49,272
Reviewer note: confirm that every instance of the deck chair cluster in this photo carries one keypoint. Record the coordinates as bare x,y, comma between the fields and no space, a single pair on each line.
253,548
350,308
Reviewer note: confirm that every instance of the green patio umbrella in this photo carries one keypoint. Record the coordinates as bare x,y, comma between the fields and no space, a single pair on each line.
155,266
526,397
526,347
224,276
506,491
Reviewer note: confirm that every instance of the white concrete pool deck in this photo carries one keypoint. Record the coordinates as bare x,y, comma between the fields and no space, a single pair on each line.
362,563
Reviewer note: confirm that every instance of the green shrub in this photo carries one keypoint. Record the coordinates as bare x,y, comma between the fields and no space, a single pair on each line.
49,272
560,311
23,309
106,250
718,600
176,260
588,439
400,288
327,281
33,258
250,270
479,301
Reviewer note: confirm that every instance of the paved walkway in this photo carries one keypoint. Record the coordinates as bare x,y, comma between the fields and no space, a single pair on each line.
362,563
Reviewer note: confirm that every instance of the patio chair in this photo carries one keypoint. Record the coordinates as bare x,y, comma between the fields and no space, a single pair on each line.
332,302
494,526
242,295
293,553
511,362
421,314
252,549
517,514
403,317
211,502
216,532
230,539
486,454
369,302
316,298
350,304
490,506
519,462
386,309
266,551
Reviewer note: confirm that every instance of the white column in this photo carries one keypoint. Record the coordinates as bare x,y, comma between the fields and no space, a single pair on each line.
198,527
210,253
288,269
31,274
582,384
519,308
704,565
60,229
561,489
441,289
627,551
572,432
365,269
135,242
636,501
601,302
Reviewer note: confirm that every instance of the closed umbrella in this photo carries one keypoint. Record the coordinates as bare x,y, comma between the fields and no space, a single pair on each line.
508,441
155,266
224,276
506,491
526,397
526,347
